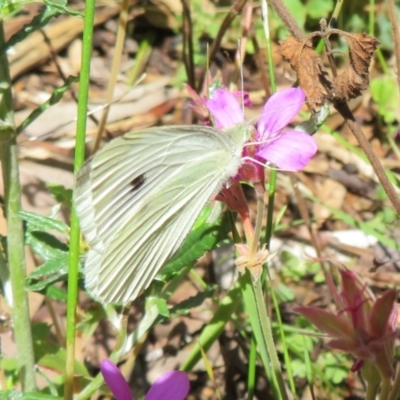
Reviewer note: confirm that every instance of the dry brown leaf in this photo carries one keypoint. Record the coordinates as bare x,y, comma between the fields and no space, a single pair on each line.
310,70
361,50
348,85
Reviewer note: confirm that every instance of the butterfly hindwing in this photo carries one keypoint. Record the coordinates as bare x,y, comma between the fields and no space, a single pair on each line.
138,198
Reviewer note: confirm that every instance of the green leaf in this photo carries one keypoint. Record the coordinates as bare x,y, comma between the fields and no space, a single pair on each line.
48,354
38,22
45,245
57,361
202,239
41,223
9,7
55,293
55,98
54,266
162,307
43,285
61,193
61,6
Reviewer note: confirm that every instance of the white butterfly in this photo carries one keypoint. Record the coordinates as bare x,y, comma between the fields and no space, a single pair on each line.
139,196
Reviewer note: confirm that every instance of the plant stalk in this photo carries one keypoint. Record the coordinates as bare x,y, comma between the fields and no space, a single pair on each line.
15,238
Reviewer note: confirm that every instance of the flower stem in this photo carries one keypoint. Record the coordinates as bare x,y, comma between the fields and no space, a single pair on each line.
75,233
269,340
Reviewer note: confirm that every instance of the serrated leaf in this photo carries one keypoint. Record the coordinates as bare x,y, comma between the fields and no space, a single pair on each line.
41,223
54,266
45,245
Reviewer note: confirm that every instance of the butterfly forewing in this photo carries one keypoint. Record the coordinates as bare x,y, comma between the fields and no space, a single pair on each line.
138,198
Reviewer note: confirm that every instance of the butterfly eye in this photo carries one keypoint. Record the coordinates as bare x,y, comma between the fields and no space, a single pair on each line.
137,182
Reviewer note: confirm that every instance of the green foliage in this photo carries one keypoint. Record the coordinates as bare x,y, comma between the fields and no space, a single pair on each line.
61,194
51,250
203,238
385,94
9,8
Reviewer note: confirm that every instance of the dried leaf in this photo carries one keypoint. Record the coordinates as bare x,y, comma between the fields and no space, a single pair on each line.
348,85
355,78
361,50
312,76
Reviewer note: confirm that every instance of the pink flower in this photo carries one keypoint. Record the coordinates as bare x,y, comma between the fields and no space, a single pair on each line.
172,385
363,325
287,149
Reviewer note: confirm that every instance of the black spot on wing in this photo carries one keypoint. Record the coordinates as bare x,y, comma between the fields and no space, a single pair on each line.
137,182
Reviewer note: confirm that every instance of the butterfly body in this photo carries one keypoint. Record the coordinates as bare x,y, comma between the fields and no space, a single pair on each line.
139,196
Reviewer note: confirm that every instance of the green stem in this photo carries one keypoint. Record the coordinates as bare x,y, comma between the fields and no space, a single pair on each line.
269,340
15,239
251,372
385,389
75,233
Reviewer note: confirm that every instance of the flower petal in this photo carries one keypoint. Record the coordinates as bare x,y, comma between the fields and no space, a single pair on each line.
279,111
173,385
115,380
291,151
225,109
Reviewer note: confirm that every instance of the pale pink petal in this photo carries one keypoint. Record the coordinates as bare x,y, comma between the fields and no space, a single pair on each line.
173,385
115,380
225,109
290,152
278,112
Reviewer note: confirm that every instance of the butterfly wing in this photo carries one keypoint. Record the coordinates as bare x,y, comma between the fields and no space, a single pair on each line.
138,198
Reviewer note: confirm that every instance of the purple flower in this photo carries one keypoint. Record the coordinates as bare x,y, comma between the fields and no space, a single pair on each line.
287,149
172,385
